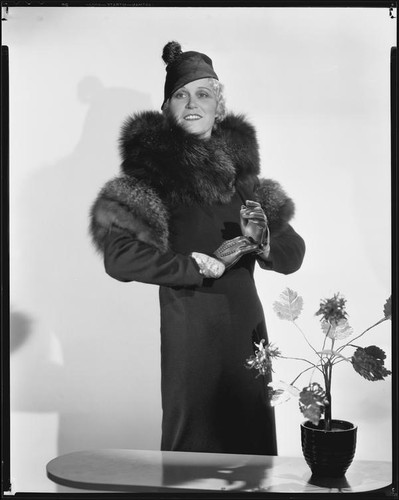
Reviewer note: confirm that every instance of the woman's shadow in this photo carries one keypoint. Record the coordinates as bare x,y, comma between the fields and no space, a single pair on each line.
103,331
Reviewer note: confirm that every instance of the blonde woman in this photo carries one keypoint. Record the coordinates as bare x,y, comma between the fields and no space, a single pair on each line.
190,214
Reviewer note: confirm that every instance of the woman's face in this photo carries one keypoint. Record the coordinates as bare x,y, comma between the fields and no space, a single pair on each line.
194,107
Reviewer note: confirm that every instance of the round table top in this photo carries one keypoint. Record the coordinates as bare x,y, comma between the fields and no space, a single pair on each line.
154,471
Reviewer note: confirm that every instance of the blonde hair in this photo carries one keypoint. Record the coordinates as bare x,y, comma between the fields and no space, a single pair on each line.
218,89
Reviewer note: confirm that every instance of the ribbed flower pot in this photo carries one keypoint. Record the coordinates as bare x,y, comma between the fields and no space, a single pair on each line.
328,453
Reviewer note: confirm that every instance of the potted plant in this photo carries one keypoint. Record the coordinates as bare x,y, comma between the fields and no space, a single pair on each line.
328,445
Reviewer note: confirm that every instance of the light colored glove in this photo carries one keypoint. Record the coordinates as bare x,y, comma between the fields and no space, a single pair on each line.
253,222
209,267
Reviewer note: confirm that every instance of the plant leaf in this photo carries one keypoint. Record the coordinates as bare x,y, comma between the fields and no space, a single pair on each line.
312,402
388,308
289,306
337,331
369,363
312,413
280,392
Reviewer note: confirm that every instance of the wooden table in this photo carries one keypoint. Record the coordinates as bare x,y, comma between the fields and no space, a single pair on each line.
156,471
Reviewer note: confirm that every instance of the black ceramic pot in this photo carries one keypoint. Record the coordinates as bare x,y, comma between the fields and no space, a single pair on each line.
328,453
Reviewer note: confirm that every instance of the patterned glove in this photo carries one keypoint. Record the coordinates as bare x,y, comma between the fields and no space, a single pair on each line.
231,251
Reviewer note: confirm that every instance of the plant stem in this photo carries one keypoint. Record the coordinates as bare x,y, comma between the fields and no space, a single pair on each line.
341,360
334,357
299,359
325,337
327,379
365,331
330,359
304,336
352,345
304,371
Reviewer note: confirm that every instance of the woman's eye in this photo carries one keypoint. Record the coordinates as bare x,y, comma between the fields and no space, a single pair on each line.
203,94
180,95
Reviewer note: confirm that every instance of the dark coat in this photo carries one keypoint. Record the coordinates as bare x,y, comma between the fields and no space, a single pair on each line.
178,194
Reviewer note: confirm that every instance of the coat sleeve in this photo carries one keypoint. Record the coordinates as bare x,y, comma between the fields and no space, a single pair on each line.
129,227
129,259
287,250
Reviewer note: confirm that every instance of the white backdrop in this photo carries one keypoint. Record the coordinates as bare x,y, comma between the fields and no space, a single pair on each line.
85,348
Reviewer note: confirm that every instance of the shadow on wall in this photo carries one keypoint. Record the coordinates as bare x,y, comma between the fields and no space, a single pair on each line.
81,352
20,329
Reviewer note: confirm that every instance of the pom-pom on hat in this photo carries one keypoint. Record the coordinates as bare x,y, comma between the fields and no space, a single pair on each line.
184,67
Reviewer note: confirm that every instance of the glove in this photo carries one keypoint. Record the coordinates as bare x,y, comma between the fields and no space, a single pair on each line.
224,257
253,222
231,251
209,267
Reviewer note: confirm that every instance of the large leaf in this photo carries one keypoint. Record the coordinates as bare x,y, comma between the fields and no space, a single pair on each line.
289,306
369,363
337,331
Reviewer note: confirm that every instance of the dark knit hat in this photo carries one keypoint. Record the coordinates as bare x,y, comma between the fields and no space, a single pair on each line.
184,67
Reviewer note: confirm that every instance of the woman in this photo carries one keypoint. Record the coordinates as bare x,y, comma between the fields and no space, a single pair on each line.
190,214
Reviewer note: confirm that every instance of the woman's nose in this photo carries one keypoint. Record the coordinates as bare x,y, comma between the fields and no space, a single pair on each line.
191,103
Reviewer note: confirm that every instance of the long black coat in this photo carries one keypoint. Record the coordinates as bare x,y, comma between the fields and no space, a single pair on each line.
178,194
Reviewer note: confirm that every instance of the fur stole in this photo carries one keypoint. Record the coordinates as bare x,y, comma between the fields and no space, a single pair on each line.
183,168
164,166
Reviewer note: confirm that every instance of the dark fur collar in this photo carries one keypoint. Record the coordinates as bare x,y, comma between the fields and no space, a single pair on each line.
162,166
183,168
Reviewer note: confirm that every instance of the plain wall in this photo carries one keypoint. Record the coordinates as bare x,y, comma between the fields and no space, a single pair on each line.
85,348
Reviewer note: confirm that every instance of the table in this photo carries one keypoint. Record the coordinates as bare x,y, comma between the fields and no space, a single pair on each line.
167,471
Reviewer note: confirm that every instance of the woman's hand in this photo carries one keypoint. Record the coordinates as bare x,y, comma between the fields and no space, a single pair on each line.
209,267
225,256
231,251
253,223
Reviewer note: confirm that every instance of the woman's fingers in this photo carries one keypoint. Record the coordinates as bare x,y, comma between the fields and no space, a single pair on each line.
253,214
251,203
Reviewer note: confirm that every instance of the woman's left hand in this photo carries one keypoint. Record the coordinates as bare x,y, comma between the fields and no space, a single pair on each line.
253,222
